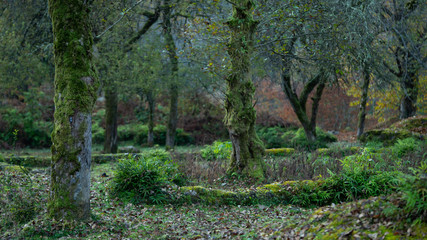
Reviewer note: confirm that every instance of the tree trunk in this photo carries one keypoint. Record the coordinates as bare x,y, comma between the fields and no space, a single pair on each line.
110,144
173,88
75,94
409,87
246,157
362,107
151,105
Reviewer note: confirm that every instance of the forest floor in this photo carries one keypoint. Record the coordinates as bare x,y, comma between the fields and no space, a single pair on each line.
113,219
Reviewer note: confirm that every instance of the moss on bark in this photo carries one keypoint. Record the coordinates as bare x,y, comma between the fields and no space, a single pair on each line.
246,157
75,94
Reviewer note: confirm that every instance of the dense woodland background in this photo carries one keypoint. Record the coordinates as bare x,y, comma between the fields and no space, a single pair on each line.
386,38
246,119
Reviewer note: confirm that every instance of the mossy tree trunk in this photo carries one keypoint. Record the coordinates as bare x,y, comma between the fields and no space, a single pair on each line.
111,100
151,106
246,157
363,101
75,94
173,85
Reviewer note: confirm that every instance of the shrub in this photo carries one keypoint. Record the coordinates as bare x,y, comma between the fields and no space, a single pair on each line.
414,190
129,132
287,138
271,136
323,138
402,147
361,177
31,132
217,151
143,179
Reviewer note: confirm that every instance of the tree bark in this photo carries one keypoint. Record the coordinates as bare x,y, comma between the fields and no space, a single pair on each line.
246,157
173,87
76,84
151,105
111,98
362,107
409,87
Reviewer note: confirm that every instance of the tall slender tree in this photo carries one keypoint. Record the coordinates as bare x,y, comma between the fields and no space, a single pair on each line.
246,157
75,94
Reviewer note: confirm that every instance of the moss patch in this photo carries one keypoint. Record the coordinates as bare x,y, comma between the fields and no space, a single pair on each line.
280,151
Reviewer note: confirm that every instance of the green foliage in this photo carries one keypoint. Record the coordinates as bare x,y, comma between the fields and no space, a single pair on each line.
98,133
139,132
272,136
323,138
362,177
217,151
31,131
404,146
414,190
129,132
143,178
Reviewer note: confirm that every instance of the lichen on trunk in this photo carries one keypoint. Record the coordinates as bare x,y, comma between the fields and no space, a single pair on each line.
246,157
75,94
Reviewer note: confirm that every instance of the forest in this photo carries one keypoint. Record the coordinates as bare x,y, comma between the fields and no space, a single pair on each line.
213,119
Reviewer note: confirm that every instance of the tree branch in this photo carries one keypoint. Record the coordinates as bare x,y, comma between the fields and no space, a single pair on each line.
123,14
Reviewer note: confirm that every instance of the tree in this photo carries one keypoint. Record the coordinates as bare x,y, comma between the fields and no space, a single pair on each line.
116,47
246,157
173,86
76,85
301,39
405,25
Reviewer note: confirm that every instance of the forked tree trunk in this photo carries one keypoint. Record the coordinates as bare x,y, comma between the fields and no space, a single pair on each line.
299,103
111,98
246,157
363,102
151,105
75,94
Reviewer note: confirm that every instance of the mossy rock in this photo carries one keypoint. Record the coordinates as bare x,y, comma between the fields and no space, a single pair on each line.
280,151
388,136
413,124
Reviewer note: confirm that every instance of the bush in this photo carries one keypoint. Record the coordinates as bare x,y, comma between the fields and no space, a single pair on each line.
287,138
323,138
362,177
129,132
413,188
30,132
272,136
143,179
402,147
217,151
